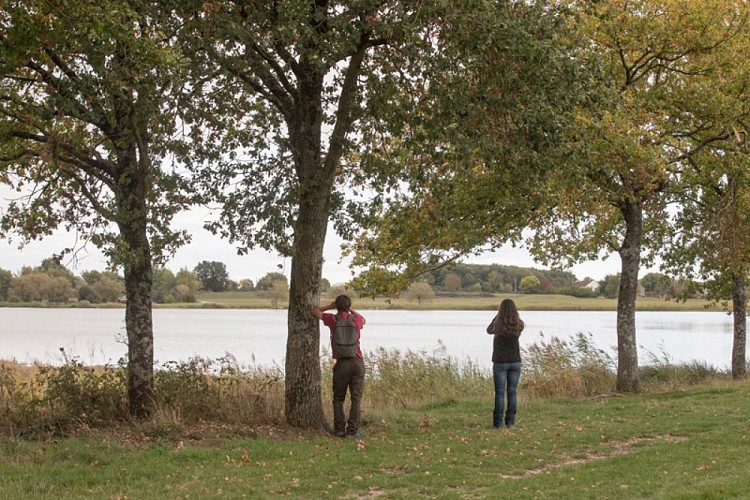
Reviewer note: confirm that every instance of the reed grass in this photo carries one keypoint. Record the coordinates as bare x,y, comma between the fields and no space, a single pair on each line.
59,400
410,379
574,368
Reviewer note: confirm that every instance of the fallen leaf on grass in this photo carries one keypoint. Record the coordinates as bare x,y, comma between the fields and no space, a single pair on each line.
425,422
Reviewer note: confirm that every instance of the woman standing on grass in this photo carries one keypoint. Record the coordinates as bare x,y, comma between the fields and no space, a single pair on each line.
506,327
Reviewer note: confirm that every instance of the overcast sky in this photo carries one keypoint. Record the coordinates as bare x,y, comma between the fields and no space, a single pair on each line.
254,266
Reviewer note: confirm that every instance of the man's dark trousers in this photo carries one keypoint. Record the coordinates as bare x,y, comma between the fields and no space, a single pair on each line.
348,373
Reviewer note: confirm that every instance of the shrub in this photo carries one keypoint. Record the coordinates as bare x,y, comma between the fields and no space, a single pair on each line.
87,294
221,390
15,400
577,291
60,399
79,394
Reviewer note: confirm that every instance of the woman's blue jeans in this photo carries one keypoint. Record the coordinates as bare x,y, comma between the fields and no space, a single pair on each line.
506,376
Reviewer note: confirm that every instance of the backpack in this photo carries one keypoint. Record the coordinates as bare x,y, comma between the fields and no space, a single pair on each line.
345,337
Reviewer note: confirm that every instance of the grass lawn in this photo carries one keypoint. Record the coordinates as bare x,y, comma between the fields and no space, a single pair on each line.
681,444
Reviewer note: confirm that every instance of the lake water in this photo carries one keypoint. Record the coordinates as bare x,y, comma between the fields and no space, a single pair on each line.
96,336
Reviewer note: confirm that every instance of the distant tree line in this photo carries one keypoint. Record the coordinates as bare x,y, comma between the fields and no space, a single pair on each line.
496,278
52,282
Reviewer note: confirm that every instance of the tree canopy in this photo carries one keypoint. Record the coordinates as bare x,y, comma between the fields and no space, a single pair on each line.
86,118
213,275
590,170
420,131
306,101
485,131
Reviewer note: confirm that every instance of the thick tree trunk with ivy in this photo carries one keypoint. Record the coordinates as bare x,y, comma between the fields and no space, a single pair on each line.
630,255
739,311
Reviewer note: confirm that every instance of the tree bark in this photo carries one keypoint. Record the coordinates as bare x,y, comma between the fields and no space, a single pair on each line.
138,271
739,312
139,326
303,405
630,255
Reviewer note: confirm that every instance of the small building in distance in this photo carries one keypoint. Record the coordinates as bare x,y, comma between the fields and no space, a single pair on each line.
589,283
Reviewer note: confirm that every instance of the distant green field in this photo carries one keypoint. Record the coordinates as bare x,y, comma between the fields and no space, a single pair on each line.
466,302
254,300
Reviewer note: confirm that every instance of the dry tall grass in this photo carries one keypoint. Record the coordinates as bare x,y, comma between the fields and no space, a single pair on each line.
567,368
409,379
63,399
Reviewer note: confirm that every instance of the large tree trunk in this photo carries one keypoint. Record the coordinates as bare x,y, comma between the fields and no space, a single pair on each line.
316,173
303,407
138,270
302,399
739,311
139,326
630,255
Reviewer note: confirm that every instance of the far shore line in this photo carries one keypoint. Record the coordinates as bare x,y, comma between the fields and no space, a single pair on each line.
454,302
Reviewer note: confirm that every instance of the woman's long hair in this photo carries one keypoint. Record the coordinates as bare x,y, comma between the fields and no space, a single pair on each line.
507,323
